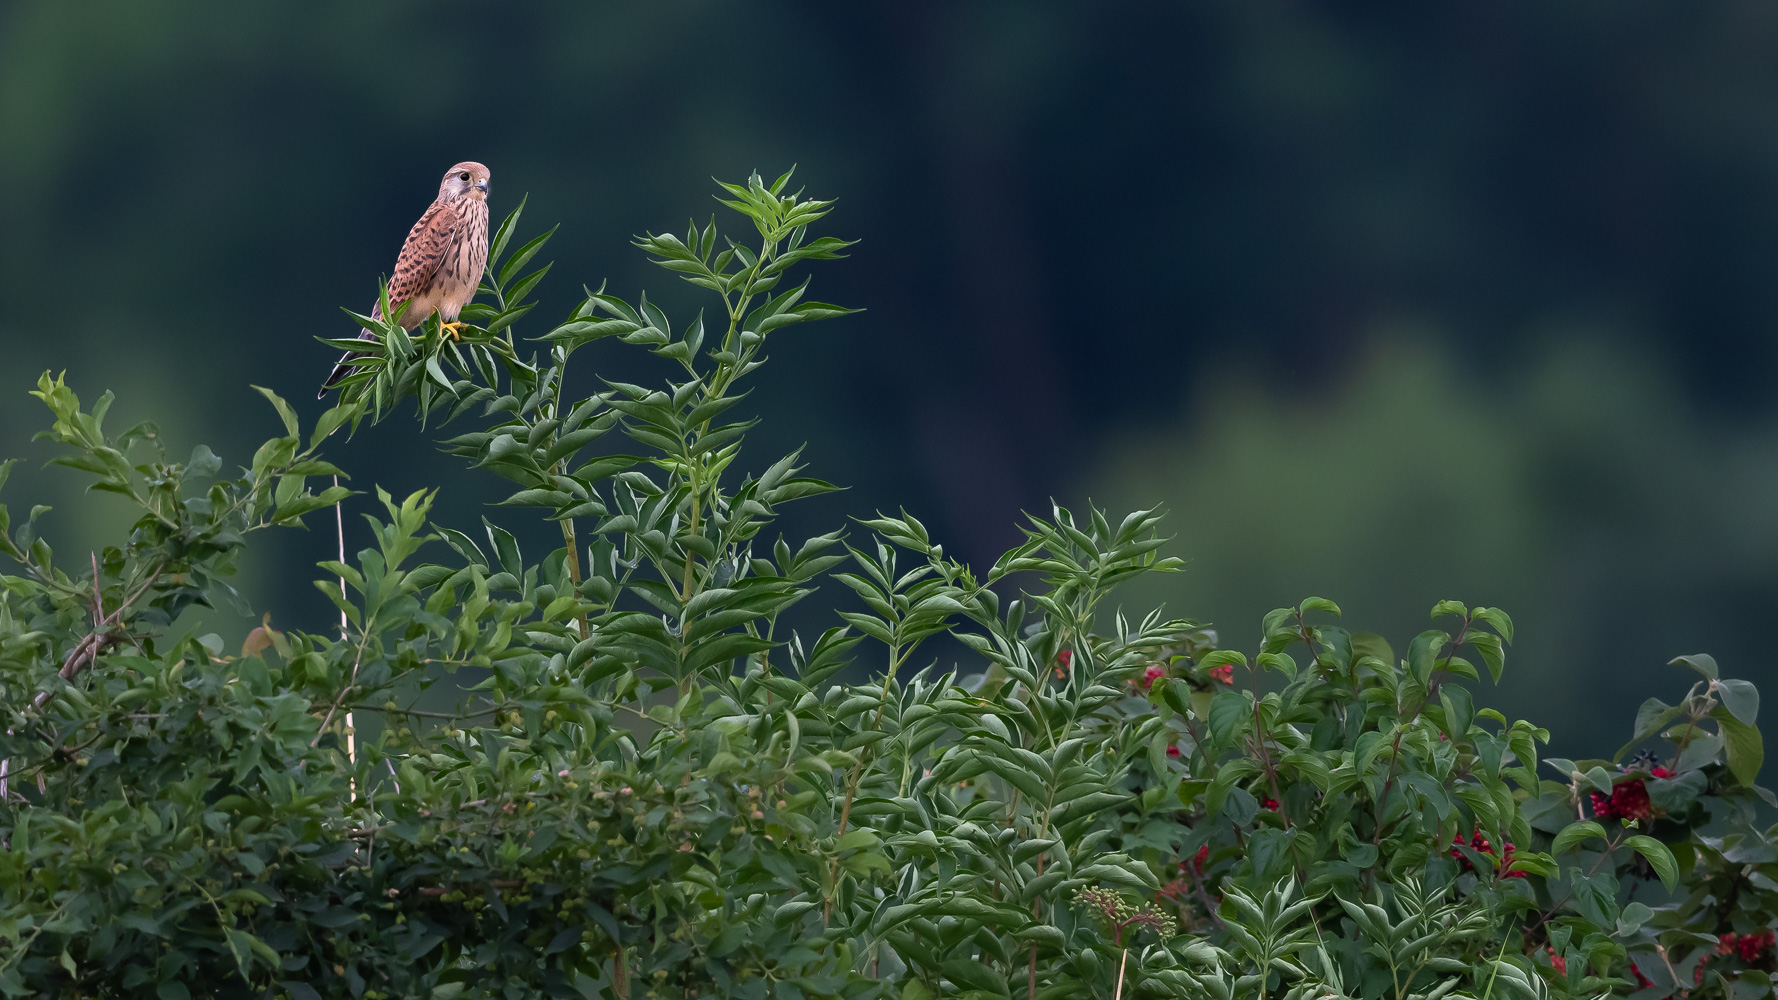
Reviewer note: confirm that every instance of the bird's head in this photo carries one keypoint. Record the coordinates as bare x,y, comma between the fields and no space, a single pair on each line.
466,179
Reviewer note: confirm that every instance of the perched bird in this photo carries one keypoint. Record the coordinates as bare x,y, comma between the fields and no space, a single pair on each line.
441,263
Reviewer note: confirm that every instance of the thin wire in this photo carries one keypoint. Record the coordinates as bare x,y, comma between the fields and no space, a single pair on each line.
339,523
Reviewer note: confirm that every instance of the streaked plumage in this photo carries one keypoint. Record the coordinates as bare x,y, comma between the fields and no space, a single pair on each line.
442,260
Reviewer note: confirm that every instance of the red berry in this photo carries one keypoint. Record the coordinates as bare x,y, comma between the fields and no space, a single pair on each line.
1224,674
1629,800
1753,947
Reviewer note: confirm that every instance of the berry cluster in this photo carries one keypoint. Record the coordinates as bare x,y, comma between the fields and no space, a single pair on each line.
1224,674
1503,864
1629,799
1751,947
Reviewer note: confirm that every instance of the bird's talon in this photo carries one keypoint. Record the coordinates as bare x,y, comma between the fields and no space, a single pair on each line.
452,328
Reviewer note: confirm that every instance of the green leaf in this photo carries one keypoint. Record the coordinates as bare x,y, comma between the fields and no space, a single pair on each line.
1223,657
1501,621
1281,662
1489,646
1676,795
1741,698
522,255
1423,653
1703,663
1230,714
1658,856
856,839
203,462
1632,918
1701,749
973,975
583,331
1574,833
331,420
1459,706
1651,718
285,413
913,989
1566,767
502,234
1743,745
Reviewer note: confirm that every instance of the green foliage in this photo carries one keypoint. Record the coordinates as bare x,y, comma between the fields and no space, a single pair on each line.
652,787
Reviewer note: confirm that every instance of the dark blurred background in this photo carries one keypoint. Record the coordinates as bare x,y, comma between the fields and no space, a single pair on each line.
1389,304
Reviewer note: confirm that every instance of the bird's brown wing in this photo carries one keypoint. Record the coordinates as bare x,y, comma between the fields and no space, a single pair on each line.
421,253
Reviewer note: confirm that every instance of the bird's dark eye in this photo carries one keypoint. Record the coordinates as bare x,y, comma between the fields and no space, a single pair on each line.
464,176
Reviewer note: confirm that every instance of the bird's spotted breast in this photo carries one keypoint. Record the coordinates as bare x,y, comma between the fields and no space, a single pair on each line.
465,259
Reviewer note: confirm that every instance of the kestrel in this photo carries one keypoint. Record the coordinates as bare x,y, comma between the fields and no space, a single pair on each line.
441,262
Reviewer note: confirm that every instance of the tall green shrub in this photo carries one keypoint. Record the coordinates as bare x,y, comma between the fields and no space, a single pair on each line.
653,787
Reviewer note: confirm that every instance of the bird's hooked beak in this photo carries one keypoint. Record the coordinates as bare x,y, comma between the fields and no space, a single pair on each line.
482,186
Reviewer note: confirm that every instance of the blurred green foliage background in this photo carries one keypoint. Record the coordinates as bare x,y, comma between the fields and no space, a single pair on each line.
1388,304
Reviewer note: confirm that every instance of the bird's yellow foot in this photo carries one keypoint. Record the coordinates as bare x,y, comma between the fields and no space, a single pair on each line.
452,328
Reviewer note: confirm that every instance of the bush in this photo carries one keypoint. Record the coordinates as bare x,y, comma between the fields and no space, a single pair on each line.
653,788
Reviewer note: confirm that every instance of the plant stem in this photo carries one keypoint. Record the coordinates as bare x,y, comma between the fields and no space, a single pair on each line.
858,769
572,547
569,543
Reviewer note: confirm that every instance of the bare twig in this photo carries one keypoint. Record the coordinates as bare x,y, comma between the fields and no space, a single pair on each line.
351,682
105,634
